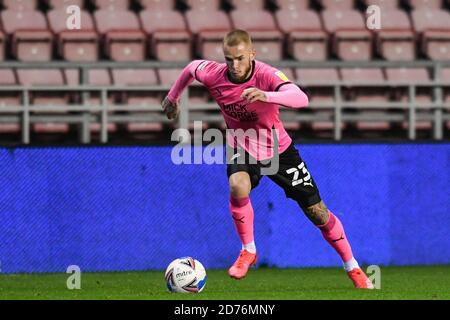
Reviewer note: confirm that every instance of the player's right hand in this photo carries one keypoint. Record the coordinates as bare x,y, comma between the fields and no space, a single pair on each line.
170,108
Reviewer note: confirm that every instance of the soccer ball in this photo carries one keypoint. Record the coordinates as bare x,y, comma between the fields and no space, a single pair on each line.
185,275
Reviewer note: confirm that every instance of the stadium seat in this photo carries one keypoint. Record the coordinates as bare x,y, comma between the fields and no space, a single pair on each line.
63,4
395,40
137,77
208,30
359,88
383,4
295,5
445,77
425,4
350,38
267,39
205,5
96,77
337,4
399,79
433,26
44,77
115,5
318,83
167,34
30,38
74,45
2,46
303,30
247,4
122,37
157,5
167,77
20,5
7,78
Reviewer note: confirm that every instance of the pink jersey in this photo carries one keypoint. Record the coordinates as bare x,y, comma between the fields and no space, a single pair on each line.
256,120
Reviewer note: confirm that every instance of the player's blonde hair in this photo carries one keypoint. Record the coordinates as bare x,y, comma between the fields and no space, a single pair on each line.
236,37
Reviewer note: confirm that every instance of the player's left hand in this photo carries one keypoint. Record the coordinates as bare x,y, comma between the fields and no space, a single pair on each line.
253,94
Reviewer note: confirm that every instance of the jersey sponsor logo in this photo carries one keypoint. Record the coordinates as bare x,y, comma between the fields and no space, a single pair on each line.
239,112
281,75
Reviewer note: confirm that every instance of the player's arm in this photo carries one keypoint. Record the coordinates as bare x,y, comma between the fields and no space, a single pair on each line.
288,95
170,103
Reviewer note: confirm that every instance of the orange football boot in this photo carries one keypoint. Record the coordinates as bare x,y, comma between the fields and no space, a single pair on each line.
360,279
240,267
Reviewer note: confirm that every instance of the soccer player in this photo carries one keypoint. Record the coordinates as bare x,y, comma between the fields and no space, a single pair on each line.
249,93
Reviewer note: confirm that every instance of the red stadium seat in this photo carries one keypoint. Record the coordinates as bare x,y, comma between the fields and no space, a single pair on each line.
425,4
20,5
30,38
7,78
119,5
74,45
208,30
2,46
383,4
319,86
267,39
337,4
400,78
63,4
248,4
205,5
168,76
43,77
96,77
137,77
158,5
122,36
434,29
312,80
395,40
445,77
168,36
296,5
350,38
359,88
306,39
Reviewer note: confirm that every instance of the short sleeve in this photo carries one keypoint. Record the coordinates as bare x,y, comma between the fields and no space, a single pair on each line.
275,79
204,71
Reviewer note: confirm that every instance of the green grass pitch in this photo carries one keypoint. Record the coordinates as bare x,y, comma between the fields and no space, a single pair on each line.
430,282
